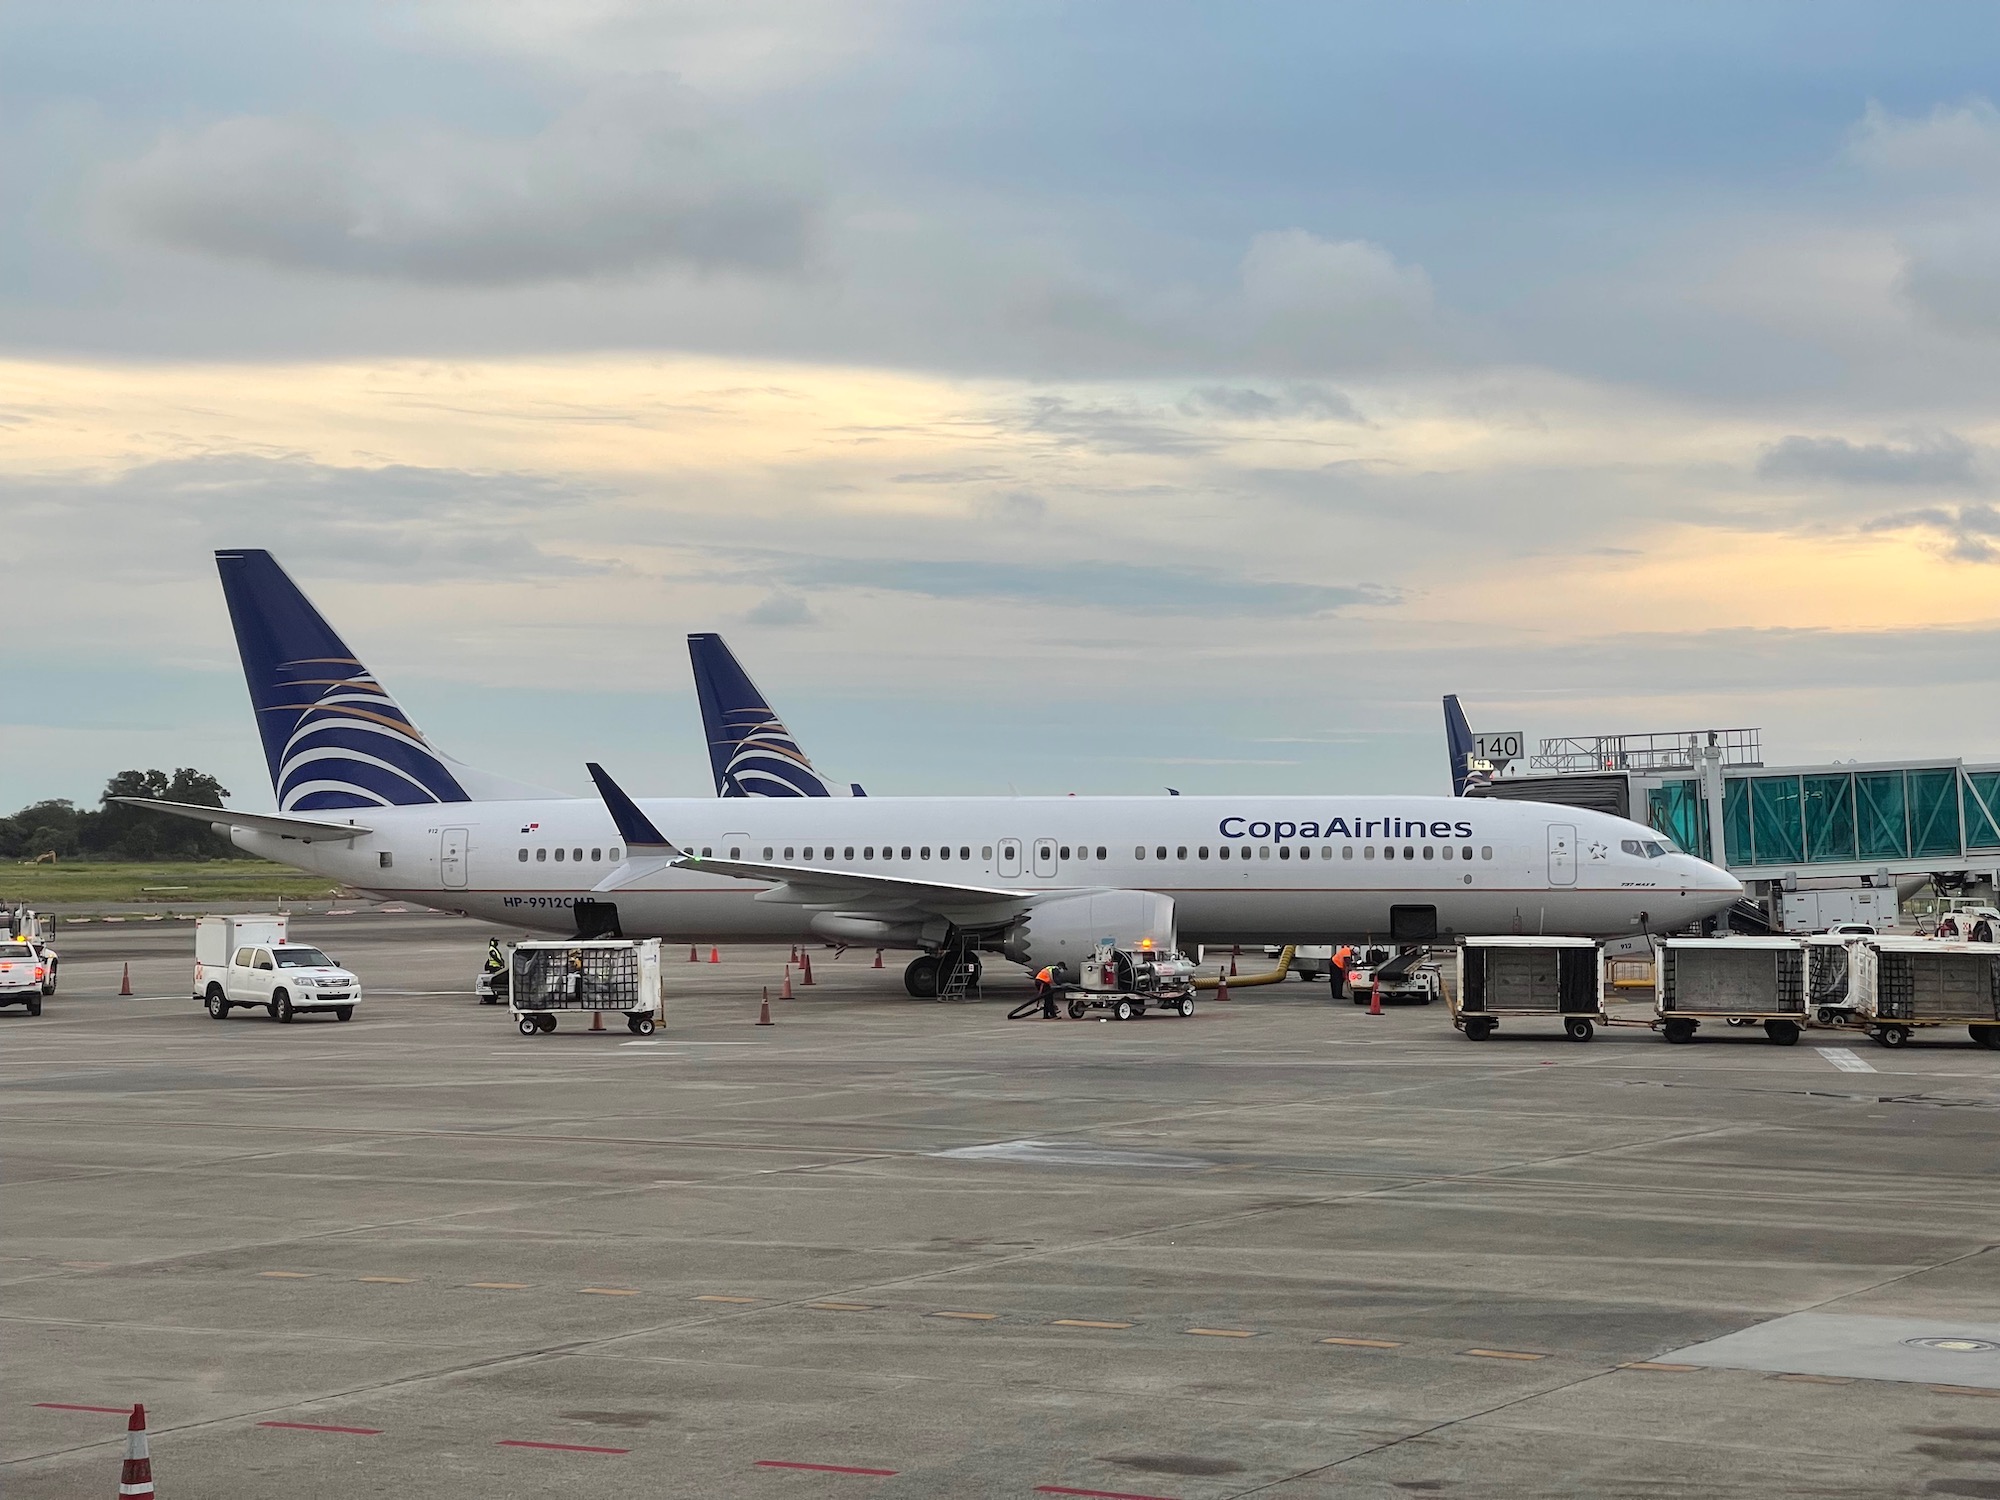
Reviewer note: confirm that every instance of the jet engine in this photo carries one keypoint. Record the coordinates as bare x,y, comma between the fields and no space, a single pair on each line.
1068,929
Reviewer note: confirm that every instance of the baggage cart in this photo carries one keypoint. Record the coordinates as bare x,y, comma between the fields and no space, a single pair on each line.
1743,981
1830,977
585,977
1902,983
1544,978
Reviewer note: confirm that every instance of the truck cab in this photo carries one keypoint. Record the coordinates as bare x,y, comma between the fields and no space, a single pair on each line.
285,979
24,975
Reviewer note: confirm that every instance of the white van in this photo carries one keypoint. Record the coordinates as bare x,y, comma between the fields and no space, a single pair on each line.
246,961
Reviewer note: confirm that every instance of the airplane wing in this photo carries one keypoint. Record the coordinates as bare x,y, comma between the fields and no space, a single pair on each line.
307,829
649,852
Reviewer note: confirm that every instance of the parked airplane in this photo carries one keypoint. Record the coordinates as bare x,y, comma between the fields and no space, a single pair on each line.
749,748
365,799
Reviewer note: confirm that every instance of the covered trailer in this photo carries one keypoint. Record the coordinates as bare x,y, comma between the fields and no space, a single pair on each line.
1548,978
1901,983
1739,980
585,976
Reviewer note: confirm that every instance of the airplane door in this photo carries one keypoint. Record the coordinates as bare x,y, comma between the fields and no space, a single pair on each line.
1562,854
451,858
1010,859
1045,859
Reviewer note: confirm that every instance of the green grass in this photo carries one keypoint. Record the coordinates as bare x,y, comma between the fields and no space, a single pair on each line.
164,885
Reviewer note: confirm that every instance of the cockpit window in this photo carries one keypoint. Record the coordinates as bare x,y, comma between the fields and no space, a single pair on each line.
1645,848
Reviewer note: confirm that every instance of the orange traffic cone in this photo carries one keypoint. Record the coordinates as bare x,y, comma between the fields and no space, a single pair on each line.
764,1011
125,984
878,958
1222,990
1232,967
1375,998
795,953
136,1481
597,1020
806,965
786,992
715,955
693,956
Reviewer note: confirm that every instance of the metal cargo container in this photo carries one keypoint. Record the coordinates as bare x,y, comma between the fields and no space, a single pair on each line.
1739,980
1557,978
1901,983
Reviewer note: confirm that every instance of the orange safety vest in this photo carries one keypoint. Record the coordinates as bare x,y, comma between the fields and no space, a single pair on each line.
1047,976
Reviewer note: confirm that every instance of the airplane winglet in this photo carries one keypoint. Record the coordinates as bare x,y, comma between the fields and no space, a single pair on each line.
633,826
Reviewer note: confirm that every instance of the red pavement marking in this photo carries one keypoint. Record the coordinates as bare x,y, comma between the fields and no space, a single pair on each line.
316,1427
1057,1489
557,1447
120,1411
785,1463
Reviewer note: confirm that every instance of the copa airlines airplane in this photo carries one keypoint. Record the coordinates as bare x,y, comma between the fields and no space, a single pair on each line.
366,800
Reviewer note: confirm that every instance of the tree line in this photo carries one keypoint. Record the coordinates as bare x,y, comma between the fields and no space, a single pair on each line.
113,830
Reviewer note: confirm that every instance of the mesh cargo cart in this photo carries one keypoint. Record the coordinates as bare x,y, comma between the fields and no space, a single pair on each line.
1830,978
1742,981
1545,978
584,977
1902,983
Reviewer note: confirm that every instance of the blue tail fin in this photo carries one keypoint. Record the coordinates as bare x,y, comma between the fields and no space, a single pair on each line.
1458,740
333,737
749,748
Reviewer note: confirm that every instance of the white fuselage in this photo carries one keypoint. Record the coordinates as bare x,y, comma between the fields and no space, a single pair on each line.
1297,868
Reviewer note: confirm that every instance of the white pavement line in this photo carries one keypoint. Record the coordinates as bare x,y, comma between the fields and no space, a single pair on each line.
1844,1059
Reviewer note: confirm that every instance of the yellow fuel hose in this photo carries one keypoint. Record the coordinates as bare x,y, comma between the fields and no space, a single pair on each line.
1244,981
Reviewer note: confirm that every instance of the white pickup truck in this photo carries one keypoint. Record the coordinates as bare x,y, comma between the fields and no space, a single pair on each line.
25,975
246,961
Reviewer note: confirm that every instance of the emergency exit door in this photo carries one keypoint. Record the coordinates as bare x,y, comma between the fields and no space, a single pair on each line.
1045,859
451,858
1562,854
1010,859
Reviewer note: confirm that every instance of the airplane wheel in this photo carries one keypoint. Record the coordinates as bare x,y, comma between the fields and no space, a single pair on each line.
1784,1033
921,977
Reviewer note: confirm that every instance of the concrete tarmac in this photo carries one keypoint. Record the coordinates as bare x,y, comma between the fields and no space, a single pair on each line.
895,1248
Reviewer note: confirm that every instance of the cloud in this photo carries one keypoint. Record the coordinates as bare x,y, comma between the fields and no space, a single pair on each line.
1249,404
1954,142
1968,533
1317,302
780,609
1941,458
395,520
632,179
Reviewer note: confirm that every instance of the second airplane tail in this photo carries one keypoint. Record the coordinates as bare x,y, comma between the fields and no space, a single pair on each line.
749,748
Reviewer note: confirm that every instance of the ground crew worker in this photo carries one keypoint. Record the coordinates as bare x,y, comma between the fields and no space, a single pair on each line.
1045,986
494,962
1341,959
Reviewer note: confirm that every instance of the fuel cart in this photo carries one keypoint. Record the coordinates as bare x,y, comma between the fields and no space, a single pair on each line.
1125,981
1901,983
1737,980
585,977
1547,978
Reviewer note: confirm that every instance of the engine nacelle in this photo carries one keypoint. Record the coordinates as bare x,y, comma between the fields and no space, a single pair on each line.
1068,929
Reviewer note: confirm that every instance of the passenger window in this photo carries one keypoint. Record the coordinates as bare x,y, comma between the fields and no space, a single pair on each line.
1326,851
986,851
1222,852
1446,851
597,856
1466,852
1100,851
1485,851
559,855
541,856
244,958
1305,851
577,855
925,851
767,851
1409,852
1181,852
1264,851
735,852
523,856
1429,852
1063,853
1284,851
614,854
1388,851
788,851
1161,852
1138,851
1369,852
906,851
847,853
964,852
1347,851
1202,852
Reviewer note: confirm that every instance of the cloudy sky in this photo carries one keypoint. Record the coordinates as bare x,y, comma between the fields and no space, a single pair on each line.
1054,397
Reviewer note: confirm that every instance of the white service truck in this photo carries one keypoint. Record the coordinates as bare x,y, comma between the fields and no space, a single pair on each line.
247,961
25,977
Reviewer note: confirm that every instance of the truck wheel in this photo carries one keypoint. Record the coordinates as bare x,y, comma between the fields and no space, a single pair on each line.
1893,1036
216,1005
1123,1010
529,1026
1679,1029
34,1005
281,1007
1077,1009
1983,933
343,1013
49,988
1784,1033
1579,1029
